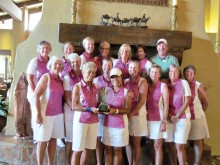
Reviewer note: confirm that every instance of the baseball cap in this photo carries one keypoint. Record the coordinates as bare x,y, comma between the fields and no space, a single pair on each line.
162,40
115,72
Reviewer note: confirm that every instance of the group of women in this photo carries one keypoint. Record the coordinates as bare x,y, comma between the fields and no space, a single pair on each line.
171,111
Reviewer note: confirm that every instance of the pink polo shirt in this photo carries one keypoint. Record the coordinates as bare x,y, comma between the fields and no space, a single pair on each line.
88,98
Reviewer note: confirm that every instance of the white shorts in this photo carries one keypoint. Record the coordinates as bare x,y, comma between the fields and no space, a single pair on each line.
52,127
178,132
116,137
100,125
138,126
85,136
154,130
199,129
68,118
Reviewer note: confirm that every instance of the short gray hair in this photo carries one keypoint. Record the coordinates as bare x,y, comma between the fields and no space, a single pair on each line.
43,43
175,66
51,61
73,56
89,66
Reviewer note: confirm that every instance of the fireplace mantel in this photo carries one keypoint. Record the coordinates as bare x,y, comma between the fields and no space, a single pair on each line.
117,35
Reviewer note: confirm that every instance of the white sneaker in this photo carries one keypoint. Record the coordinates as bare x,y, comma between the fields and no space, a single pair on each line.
60,143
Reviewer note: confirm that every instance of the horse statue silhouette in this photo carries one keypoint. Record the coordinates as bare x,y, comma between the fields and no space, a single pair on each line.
105,17
135,20
144,20
117,19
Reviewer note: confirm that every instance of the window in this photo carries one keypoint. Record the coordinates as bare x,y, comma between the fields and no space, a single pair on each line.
6,24
33,20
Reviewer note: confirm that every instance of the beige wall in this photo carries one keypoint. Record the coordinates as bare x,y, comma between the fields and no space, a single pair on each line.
191,17
6,40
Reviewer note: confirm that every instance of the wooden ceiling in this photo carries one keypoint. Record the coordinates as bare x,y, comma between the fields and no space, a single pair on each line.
8,8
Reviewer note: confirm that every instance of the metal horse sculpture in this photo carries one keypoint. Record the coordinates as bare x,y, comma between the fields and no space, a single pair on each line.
117,19
144,20
135,20
125,20
105,17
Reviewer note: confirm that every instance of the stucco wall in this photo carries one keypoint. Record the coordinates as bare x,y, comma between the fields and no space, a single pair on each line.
190,18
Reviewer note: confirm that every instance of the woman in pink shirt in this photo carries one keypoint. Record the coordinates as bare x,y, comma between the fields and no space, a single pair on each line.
145,64
104,50
198,105
157,111
115,133
49,112
179,113
68,48
88,45
36,68
102,82
69,80
124,57
85,120
137,116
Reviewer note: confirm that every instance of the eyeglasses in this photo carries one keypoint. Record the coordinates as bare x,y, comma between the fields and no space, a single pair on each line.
104,48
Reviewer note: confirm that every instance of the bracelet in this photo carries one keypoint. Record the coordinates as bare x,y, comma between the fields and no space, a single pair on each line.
165,121
116,111
177,115
89,109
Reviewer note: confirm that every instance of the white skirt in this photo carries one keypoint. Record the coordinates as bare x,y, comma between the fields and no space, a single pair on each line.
154,130
116,137
199,129
100,125
138,126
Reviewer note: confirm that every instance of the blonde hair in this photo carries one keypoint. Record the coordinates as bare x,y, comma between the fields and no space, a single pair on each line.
87,39
124,46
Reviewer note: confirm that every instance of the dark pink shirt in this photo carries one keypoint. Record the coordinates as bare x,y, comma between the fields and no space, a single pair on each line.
41,67
88,98
153,97
56,92
115,100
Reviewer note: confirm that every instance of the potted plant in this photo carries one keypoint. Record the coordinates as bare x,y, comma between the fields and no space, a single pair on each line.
3,112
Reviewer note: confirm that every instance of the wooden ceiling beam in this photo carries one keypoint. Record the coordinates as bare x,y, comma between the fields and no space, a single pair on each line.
30,11
28,3
9,7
